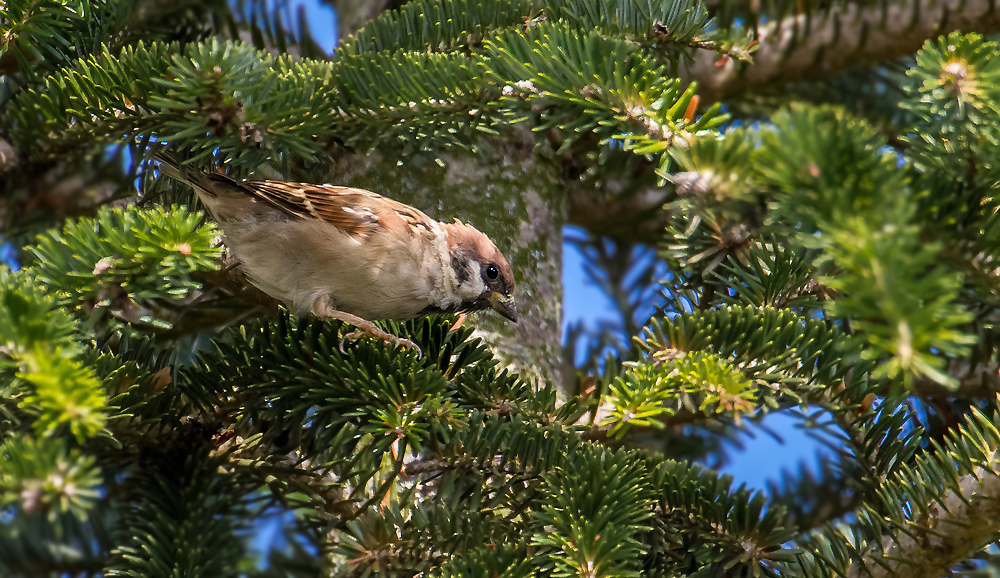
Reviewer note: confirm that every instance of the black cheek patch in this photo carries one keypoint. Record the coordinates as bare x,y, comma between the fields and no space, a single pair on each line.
460,265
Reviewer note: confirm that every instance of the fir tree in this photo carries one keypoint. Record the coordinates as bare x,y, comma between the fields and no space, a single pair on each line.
817,178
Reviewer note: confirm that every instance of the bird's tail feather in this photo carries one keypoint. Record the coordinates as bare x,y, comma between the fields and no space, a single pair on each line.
171,167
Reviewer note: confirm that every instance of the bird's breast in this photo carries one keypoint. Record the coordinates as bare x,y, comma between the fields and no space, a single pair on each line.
378,276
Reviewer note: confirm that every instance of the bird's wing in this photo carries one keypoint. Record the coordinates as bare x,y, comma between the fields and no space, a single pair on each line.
357,212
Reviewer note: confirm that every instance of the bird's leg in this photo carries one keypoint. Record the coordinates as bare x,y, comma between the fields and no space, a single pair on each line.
368,329
325,309
458,322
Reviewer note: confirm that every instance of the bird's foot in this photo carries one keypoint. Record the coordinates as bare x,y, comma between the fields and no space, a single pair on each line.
376,333
324,307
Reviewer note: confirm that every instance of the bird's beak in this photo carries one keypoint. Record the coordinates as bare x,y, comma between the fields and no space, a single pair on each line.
504,305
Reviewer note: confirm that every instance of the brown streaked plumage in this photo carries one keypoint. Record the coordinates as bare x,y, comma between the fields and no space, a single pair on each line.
356,211
351,254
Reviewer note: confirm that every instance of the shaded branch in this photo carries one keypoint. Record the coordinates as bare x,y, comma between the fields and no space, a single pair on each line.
635,217
602,433
8,157
353,14
292,470
979,381
850,36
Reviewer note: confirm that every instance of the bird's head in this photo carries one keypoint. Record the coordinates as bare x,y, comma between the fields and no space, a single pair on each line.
483,278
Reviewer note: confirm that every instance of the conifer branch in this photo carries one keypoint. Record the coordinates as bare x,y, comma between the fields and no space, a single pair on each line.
852,34
969,519
807,267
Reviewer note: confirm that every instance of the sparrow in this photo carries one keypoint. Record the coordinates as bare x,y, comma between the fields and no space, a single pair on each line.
350,254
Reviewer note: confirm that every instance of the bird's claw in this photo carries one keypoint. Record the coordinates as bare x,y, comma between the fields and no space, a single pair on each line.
325,308
384,336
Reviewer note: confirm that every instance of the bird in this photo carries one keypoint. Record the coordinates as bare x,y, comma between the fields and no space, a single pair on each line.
350,254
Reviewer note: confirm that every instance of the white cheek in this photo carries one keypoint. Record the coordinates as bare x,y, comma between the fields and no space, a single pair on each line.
474,287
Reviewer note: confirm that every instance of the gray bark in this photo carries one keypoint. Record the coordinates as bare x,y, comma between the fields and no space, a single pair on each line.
851,35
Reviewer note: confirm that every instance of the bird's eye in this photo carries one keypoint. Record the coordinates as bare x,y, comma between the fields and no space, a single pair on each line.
492,272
